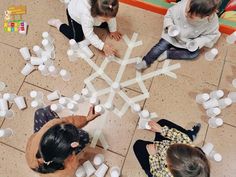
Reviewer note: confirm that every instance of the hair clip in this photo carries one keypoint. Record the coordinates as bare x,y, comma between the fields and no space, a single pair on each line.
47,163
110,6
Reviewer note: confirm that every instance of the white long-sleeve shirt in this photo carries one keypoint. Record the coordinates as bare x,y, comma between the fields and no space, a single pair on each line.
79,10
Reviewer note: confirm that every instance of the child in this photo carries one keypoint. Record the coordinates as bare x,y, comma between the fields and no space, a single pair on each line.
197,24
52,150
171,154
83,15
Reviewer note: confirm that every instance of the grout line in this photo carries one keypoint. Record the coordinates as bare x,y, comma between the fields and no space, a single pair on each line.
38,86
13,147
9,45
222,70
204,140
111,151
234,126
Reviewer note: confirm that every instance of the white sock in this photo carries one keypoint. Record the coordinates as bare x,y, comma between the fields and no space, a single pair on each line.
55,22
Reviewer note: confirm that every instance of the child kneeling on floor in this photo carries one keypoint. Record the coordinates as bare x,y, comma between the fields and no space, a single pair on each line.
188,26
172,153
83,15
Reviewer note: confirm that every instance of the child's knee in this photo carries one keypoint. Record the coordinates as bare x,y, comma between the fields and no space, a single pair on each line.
137,145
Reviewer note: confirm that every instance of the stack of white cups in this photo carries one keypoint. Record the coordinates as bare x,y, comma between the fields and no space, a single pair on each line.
208,149
37,101
4,111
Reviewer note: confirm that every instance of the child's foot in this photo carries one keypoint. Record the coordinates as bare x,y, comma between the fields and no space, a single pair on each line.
141,66
55,22
195,130
162,57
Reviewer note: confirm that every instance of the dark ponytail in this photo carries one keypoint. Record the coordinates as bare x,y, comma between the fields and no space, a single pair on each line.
55,147
105,8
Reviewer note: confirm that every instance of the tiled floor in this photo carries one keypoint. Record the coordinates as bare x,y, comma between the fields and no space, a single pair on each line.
169,98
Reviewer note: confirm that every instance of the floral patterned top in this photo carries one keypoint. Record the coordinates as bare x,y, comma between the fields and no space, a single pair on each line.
158,164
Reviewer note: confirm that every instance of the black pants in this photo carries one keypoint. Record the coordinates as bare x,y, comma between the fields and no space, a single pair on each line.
141,152
74,29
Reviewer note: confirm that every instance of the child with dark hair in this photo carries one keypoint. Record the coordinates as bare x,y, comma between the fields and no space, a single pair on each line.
172,153
196,24
53,149
83,15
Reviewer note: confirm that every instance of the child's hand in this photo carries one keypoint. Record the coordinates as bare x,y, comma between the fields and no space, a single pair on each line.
115,35
91,114
109,50
151,148
155,127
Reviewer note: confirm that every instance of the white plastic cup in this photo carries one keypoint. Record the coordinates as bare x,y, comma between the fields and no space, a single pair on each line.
54,96
98,159
53,71
232,96
46,59
85,92
72,107
20,102
201,98
234,83
210,104
94,101
231,38
47,45
217,94
145,114
212,112
65,75
207,148
136,108
28,68
25,53
210,55
101,171
36,95
6,113
223,103
6,132
3,104
35,61
78,98
38,51
44,70
116,86
215,156
73,45
109,106
2,86
80,172
46,35
9,96
192,46
89,169
173,31
87,51
71,55
215,122
83,43
64,101
56,108
36,104
143,124
115,171
99,109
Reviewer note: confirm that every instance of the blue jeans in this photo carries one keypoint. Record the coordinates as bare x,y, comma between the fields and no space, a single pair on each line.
173,52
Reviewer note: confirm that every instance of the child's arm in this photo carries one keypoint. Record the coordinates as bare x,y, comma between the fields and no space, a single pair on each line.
210,37
168,19
175,135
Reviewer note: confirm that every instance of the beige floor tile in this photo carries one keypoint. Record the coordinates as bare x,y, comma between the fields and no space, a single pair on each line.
23,121
229,73
13,163
223,140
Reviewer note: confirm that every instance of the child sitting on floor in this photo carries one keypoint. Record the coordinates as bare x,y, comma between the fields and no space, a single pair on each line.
188,26
83,15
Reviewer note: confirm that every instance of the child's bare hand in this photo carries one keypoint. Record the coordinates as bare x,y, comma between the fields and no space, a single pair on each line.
155,127
109,50
115,35
91,114
151,148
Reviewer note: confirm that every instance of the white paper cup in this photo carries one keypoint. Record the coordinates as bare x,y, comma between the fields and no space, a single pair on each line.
9,96
56,108
115,171
145,114
38,51
173,31
192,46
136,108
25,53
20,102
3,104
87,51
98,159
35,61
207,148
101,171
54,96
89,169
109,106
6,132
6,113
2,86
78,98
27,69
99,109
80,172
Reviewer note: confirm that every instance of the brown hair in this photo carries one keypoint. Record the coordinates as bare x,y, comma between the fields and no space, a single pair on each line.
203,8
105,8
187,161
